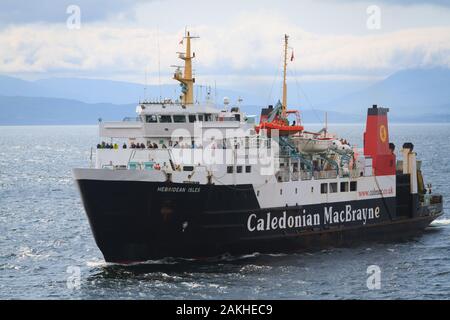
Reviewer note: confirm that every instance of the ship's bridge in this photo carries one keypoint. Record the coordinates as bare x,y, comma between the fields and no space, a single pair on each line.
161,112
160,120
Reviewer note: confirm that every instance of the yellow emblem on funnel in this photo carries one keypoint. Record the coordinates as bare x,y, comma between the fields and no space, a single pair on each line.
383,133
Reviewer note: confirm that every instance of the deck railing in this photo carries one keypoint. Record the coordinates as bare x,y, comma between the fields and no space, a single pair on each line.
132,119
330,174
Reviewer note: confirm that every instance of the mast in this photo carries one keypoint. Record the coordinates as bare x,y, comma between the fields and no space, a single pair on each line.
284,103
186,80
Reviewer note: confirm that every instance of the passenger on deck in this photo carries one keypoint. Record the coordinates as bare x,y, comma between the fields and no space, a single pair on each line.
124,145
155,146
103,145
133,145
142,146
99,146
116,146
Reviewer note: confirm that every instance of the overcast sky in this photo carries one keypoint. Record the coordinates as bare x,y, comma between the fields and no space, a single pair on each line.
240,41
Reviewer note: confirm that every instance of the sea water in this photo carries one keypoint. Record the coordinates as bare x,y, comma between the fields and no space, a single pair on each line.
47,250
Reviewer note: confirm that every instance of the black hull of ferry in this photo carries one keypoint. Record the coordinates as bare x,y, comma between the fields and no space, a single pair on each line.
138,221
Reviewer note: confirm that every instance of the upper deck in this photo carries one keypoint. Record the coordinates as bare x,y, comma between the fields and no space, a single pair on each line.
164,119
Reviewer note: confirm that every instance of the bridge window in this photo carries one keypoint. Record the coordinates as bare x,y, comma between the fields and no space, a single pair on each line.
239,169
151,118
353,186
324,188
248,169
165,119
200,117
188,168
230,169
344,186
192,118
333,187
179,118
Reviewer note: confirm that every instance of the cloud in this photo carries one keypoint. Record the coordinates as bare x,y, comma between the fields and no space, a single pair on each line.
25,11
247,48
243,47
403,3
443,3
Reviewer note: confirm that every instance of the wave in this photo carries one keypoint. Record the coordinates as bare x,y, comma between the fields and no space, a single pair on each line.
174,261
25,252
440,222
96,263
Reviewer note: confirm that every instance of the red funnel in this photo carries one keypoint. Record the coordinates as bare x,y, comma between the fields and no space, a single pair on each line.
376,142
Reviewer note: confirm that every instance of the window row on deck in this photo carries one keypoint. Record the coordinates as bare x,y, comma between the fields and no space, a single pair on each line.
239,169
332,187
178,118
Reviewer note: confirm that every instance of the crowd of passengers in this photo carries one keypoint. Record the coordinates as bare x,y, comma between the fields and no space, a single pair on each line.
105,145
149,146
133,145
212,145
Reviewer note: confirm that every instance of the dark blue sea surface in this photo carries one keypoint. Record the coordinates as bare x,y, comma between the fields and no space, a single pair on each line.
46,242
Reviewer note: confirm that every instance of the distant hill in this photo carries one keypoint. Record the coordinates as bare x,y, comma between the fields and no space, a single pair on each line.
104,91
407,93
85,90
53,111
50,111
10,86
416,95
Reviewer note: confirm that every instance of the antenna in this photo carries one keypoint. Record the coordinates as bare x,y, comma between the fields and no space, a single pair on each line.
186,79
286,38
145,86
159,62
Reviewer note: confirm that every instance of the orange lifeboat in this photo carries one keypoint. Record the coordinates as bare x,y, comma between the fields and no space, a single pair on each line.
283,128
280,123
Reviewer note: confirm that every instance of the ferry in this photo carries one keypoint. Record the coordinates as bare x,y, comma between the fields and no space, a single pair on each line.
193,179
